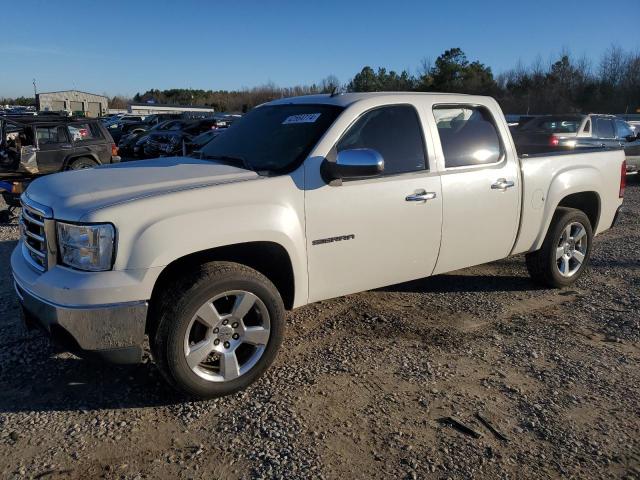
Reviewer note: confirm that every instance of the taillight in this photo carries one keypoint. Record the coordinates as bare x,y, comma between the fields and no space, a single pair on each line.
114,150
623,178
554,141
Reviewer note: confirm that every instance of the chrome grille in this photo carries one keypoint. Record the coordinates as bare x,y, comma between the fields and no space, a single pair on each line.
33,234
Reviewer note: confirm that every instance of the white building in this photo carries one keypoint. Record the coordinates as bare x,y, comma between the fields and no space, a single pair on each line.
150,108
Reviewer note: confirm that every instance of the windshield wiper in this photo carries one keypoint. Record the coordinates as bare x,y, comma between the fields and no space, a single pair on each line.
230,159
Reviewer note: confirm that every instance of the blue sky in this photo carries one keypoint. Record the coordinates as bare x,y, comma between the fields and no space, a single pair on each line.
122,47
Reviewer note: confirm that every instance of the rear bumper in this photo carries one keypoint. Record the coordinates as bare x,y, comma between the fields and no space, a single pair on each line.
112,332
115,159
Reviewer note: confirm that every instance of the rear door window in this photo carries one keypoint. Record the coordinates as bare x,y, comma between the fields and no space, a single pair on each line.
623,129
50,135
604,127
395,133
468,136
554,124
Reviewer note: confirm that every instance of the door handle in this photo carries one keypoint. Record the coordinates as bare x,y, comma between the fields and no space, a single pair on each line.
502,184
420,196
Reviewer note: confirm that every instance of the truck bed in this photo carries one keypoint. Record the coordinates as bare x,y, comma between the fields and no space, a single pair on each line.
546,178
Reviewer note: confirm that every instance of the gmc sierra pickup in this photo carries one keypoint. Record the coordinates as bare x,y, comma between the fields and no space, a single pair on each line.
301,200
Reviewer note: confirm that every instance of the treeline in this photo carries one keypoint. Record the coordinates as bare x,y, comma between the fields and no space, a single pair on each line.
230,100
20,101
574,85
565,84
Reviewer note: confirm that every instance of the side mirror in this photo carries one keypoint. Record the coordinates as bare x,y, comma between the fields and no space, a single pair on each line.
632,138
354,163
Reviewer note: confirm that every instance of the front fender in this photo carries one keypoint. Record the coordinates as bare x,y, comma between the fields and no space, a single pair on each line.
155,231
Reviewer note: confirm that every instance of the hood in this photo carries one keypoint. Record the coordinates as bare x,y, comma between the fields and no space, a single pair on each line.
73,194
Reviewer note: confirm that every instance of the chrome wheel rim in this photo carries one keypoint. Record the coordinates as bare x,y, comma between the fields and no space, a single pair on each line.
571,249
227,336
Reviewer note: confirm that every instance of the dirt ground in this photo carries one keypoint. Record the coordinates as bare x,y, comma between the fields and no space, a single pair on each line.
365,386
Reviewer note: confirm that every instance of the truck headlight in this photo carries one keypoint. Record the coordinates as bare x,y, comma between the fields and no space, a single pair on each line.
86,247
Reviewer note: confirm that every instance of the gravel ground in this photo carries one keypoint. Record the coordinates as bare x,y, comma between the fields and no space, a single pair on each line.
363,387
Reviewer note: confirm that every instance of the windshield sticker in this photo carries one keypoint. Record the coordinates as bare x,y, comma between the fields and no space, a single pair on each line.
302,118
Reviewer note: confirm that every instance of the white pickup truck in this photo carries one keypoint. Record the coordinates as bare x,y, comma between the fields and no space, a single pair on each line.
302,200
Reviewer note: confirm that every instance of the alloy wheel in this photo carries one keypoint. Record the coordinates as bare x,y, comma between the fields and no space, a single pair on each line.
571,249
227,336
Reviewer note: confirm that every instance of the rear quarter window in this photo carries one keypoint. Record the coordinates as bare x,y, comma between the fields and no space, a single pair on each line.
82,132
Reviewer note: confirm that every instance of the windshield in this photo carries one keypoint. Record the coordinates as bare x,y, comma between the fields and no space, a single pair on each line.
274,137
205,137
554,124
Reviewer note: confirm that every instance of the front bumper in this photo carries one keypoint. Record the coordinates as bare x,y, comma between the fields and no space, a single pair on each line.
112,332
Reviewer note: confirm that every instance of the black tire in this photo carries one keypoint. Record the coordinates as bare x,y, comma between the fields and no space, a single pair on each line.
81,163
543,265
5,216
175,314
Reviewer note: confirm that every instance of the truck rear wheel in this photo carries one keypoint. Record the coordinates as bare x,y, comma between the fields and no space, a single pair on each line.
218,330
82,163
565,251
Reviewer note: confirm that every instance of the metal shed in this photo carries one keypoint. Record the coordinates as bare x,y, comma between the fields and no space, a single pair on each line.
73,101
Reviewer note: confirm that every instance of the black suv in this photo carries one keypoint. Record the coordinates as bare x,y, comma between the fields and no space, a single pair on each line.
31,146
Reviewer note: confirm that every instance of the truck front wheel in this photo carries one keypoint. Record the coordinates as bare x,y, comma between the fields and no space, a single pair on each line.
565,251
218,330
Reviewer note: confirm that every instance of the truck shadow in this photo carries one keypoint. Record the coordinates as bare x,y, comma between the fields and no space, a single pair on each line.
34,376
42,381
453,282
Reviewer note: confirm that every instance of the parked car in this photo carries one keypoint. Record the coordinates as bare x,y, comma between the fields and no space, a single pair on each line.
43,145
302,200
629,139
128,142
169,127
199,141
117,125
148,123
168,143
567,132
515,121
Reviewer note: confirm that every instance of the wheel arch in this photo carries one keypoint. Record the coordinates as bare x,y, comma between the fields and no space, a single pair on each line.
588,202
75,156
573,187
269,258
